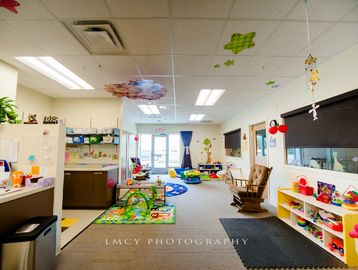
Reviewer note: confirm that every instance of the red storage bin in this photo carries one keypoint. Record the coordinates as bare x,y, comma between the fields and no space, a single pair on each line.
306,190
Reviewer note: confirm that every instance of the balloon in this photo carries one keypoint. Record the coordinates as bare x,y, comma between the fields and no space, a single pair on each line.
273,130
283,128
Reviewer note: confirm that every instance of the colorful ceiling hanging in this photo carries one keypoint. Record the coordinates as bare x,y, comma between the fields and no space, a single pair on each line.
10,5
312,73
138,89
237,44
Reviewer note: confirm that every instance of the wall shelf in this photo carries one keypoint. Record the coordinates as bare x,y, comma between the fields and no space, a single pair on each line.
349,218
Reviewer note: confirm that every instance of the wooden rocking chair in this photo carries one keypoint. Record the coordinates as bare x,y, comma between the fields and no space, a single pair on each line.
247,195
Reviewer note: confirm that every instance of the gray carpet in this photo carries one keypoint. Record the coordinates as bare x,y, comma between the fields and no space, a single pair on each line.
270,243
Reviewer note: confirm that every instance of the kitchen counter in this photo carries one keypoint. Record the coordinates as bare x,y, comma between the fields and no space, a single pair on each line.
91,167
23,192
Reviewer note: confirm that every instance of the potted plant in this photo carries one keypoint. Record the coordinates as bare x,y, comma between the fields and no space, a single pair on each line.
7,111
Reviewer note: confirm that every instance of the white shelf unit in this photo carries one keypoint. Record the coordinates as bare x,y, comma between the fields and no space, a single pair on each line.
349,218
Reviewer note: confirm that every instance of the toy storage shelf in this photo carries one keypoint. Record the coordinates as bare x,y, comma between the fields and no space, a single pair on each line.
114,134
349,218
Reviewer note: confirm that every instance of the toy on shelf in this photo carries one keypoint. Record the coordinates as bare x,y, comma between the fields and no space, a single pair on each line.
326,218
129,182
316,233
336,244
50,120
303,187
301,222
325,192
337,198
296,205
350,198
17,179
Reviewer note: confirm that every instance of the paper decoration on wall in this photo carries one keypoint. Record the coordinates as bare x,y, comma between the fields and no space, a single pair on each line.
237,44
275,127
272,142
139,89
159,129
311,70
207,146
10,5
272,84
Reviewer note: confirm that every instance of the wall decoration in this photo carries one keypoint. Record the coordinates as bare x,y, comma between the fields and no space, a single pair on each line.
10,5
275,127
311,70
159,129
31,119
272,142
50,120
240,42
207,147
139,89
237,44
229,63
272,84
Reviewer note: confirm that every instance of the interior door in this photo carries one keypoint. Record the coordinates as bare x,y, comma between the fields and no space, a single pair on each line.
160,154
259,137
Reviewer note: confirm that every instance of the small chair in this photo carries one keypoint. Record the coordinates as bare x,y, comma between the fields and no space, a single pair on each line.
248,195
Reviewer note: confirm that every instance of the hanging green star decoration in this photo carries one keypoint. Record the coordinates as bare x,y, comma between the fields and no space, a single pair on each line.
229,63
240,42
270,83
216,66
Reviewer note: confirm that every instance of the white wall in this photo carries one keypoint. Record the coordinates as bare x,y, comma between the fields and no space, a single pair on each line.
33,102
88,112
200,132
338,75
8,81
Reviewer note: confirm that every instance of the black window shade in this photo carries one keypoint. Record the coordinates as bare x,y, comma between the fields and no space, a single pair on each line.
336,127
233,139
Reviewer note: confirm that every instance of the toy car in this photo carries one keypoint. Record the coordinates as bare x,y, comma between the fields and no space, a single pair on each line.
336,244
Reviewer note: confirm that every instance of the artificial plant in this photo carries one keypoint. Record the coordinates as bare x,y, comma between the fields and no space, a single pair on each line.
207,147
7,111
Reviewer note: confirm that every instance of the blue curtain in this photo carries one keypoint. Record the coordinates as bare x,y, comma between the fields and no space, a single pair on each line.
186,138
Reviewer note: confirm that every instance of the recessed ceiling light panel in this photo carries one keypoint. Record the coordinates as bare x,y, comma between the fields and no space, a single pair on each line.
208,97
149,109
196,117
55,71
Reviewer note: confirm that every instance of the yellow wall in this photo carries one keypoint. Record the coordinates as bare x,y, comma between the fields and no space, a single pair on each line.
8,81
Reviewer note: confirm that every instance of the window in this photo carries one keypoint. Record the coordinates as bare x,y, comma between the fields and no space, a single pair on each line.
233,143
145,149
261,147
329,143
174,150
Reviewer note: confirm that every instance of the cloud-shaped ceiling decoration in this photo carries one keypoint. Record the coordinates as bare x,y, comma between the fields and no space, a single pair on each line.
139,89
10,5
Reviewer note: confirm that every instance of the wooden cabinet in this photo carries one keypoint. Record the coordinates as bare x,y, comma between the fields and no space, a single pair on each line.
89,189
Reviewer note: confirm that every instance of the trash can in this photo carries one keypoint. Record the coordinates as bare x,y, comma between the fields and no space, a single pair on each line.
31,247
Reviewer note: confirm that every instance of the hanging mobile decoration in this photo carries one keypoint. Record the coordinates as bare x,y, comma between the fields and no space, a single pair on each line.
312,73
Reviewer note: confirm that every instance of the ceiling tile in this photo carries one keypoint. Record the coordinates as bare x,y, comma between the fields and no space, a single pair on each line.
117,65
290,38
81,65
51,36
145,36
339,37
155,64
330,10
263,32
237,69
262,9
204,82
78,9
196,36
27,10
14,44
264,66
191,65
352,16
138,8
201,8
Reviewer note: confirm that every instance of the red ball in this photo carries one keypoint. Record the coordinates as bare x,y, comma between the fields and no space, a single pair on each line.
136,138
273,130
283,128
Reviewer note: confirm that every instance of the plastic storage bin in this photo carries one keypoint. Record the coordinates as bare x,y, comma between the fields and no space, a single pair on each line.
31,247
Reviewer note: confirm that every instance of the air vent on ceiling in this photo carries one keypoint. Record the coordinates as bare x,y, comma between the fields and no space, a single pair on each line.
97,37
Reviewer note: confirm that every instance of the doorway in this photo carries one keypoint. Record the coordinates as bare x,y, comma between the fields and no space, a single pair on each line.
259,150
160,151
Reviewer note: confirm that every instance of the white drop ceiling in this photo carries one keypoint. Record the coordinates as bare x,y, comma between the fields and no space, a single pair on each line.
194,33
